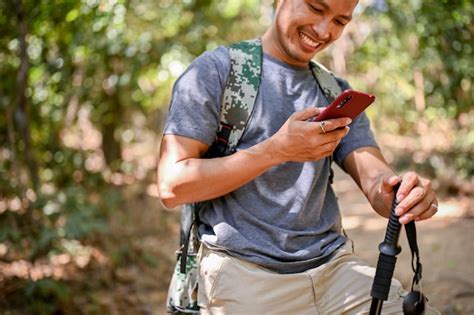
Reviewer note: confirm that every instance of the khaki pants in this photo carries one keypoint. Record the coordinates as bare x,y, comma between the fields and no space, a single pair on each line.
228,285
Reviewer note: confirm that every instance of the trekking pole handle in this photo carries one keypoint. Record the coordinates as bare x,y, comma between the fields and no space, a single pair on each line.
390,245
389,249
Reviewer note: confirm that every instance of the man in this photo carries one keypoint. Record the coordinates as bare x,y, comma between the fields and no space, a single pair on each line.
271,236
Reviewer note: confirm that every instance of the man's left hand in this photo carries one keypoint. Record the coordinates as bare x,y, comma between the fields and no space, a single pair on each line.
417,200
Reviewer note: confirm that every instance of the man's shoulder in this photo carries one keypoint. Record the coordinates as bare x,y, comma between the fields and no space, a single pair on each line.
209,69
211,65
221,56
218,57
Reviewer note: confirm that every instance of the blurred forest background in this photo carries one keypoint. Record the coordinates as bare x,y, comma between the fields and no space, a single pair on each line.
84,90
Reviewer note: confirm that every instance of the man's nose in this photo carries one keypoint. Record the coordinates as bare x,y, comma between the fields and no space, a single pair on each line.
322,30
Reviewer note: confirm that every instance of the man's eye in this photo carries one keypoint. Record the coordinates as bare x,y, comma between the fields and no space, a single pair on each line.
316,9
340,23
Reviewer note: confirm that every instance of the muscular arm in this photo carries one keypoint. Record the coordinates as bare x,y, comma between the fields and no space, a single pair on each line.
368,168
184,177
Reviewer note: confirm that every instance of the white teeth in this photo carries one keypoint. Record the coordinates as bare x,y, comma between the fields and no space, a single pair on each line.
308,41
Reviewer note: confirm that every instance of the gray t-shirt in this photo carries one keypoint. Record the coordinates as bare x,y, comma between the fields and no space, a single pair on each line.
286,219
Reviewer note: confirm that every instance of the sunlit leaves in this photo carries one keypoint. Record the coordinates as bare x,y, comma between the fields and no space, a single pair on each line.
427,36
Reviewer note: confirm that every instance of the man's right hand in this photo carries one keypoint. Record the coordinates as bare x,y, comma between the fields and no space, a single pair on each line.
300,140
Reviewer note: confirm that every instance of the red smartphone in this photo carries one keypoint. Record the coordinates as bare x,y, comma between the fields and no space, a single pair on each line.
349,104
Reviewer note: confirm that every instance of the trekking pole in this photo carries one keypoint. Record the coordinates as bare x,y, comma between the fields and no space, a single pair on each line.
389,249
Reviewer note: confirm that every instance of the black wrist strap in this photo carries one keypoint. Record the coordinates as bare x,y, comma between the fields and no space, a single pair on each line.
415,255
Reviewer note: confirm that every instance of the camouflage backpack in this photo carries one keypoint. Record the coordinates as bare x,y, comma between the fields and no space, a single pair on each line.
237,105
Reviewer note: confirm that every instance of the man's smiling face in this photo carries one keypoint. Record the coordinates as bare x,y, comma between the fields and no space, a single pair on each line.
304,27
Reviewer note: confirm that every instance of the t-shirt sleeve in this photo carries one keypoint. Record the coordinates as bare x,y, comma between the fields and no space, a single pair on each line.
360,134
196,97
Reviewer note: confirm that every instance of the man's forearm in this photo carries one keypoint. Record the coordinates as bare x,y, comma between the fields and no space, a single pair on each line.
368,168
197,179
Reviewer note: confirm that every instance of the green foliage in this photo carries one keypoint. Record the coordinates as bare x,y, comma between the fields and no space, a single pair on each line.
431,38
108,59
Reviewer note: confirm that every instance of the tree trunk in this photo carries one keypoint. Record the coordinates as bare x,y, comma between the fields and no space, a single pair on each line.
11,140
21,115
110,145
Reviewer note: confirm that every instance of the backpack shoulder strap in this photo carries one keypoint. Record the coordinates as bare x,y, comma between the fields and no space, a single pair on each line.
326,80
239,95
237,105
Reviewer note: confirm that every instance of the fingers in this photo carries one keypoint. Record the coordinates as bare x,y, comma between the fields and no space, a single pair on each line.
412,190
318,151
389,182
425,209
328,148
409,180
431,211
387,188
334,135
332,124
416,199
321,127
306,114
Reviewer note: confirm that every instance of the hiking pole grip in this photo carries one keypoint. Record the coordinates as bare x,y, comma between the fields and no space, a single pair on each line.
389,249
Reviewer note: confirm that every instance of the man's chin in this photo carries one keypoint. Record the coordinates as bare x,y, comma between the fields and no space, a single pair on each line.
304,57
315,51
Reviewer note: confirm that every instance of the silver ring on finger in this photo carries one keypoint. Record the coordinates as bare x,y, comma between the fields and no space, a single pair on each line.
321,125
434,206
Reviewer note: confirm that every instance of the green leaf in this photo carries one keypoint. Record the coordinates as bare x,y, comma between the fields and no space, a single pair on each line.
72,15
